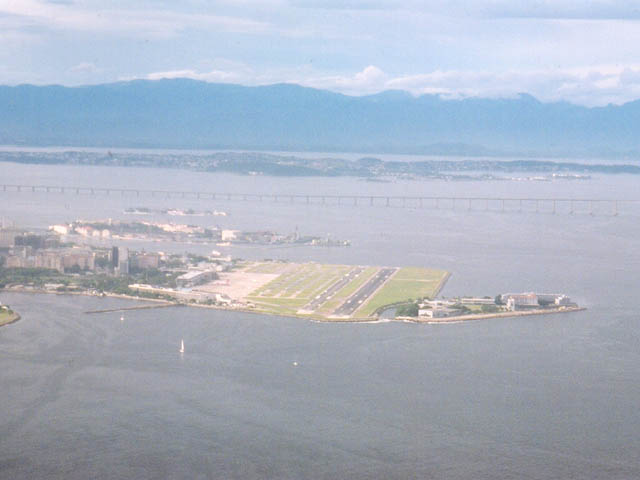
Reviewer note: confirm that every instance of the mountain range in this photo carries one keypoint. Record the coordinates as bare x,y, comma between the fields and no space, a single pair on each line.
182,113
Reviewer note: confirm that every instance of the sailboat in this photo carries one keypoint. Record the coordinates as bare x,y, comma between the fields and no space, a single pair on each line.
181,346
122,318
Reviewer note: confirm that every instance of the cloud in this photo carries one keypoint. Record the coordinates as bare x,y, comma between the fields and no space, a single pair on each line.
454,48
594,85
84,67
214,76
591,86
539,9
562,9
369,80
346,4
159,23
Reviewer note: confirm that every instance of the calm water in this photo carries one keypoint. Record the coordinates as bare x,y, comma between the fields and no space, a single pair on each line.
88,396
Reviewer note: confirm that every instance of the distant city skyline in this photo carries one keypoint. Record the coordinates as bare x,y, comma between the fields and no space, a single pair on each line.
582,52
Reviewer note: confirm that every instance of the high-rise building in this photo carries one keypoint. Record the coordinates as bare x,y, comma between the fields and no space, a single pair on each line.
123,261
114,257
8,235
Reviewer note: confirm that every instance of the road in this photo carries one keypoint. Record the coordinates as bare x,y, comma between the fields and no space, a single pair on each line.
358,298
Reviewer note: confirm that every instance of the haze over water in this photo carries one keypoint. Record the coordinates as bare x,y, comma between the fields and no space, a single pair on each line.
533,397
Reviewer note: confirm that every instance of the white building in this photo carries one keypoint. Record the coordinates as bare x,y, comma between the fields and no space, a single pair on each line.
438,312
227,235
477,301
60,229
516,301
195,277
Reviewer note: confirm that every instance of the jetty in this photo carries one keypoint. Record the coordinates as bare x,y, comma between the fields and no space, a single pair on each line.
137,307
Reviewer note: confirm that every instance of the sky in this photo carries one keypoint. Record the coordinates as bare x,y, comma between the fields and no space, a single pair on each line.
584,52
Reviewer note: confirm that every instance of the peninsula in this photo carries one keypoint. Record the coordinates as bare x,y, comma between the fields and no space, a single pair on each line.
50,263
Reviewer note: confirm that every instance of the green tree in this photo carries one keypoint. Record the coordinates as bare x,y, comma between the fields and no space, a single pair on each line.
410,310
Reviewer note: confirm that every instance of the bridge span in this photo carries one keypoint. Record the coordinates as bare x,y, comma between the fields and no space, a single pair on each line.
592,206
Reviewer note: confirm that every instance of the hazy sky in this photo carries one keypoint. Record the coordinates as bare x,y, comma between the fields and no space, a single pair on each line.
582,51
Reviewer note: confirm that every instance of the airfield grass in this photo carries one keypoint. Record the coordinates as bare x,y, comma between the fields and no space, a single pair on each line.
267,267
349,289
299,284
280,306
408,283
295,287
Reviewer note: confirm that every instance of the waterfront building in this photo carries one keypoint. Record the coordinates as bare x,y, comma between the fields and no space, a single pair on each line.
145,260
228,235
518,301
563,300
195,277
78,257
477,301
49,259
55,259
438,312
558,299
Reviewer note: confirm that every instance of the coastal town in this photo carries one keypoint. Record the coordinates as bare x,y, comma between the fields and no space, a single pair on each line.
61,261
82,232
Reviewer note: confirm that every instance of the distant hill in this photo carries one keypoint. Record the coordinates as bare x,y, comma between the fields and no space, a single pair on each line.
183,113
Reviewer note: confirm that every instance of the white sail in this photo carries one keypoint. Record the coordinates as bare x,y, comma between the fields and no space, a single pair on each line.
181,346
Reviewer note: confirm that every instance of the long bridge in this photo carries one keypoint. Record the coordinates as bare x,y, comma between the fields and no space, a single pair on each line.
591,206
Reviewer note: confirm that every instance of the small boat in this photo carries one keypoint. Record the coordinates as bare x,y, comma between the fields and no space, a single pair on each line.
181,346
122,318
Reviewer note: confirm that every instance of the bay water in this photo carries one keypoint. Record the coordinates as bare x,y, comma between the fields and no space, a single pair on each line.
91,396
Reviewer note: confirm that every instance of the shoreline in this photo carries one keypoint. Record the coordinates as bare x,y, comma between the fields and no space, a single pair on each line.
442,283
85,294
485,316
311,318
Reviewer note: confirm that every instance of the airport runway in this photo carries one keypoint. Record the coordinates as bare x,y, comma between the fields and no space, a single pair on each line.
333,289
358,298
